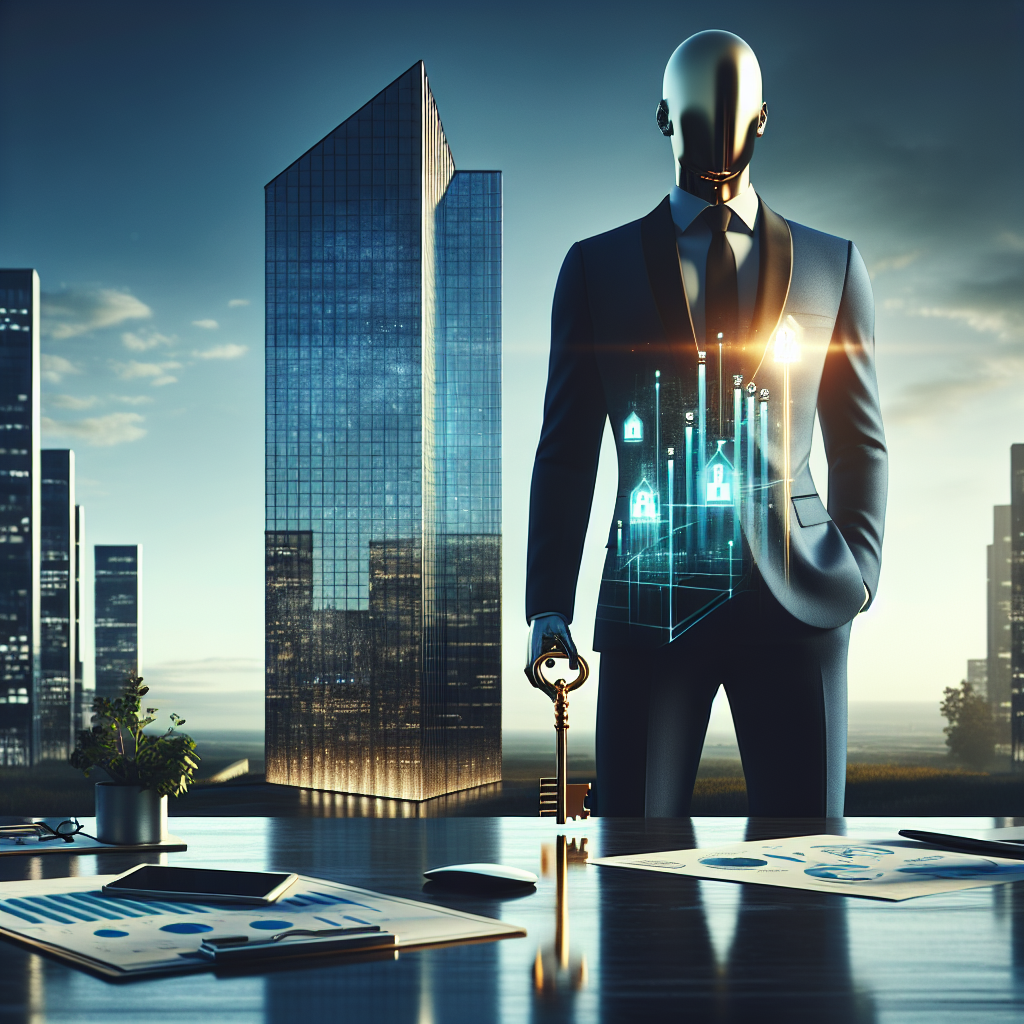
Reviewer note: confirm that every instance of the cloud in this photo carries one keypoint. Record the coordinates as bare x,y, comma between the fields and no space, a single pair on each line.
210,692
99,431
133,399
156,373
223,352
75,311
143,342
988,303
54,367
237,302
892,263
71,402
207,325
987,371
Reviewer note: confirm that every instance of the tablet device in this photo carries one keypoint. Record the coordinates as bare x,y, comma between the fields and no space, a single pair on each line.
200,885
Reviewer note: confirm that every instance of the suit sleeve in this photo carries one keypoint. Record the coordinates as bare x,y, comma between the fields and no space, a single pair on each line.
851,425
565,467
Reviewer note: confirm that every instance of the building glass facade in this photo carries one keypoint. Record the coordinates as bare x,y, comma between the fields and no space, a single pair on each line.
19,516
83,697
999,622
117,570
57,579
1017,606
383,383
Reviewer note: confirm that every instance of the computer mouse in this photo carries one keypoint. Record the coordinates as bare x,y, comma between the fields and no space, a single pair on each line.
481,877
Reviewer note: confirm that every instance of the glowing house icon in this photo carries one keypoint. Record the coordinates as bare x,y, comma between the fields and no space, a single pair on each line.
633,428
643,503
719,478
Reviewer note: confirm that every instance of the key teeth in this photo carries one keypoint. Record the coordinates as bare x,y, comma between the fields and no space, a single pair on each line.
575,797
576,794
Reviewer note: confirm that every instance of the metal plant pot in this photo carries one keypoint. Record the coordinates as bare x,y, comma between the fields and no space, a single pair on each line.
129,815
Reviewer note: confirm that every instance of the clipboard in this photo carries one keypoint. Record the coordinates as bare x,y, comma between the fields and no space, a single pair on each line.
122,939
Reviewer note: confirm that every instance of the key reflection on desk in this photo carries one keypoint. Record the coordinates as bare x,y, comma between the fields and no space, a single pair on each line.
556,969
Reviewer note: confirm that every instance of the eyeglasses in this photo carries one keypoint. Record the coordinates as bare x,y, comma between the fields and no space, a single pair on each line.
66,830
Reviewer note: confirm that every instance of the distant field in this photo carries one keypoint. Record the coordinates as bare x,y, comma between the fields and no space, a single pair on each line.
884,789
898,765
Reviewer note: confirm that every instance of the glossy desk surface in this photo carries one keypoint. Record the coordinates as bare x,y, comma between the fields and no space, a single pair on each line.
639,946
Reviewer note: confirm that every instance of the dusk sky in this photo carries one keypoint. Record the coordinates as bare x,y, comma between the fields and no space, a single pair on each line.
135,141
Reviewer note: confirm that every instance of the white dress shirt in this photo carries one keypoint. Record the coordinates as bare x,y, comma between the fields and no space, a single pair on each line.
693,237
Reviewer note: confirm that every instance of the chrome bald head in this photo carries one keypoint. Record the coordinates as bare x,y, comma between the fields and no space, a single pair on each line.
714,112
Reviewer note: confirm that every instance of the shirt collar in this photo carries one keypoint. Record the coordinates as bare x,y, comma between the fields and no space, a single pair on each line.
686,207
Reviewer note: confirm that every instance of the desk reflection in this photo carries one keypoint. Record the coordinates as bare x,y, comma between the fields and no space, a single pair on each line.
789,949
559,970
414,988
614,944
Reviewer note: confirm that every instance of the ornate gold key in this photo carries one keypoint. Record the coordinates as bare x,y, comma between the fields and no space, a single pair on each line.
557,796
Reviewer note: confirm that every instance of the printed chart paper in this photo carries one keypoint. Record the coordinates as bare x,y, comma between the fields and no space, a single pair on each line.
886,870
70,918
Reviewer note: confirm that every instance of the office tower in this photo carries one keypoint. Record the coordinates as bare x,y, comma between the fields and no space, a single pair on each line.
117,612
383,544
19,515
977,675
1017,605
1000,563
57,614
83,697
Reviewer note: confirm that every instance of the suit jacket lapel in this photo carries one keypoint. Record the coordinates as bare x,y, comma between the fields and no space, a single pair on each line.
661,258
775,272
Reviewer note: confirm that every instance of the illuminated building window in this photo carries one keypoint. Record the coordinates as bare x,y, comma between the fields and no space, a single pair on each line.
633,428
787,348
643,503
718,478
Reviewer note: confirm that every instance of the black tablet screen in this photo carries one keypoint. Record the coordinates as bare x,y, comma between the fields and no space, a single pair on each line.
203,881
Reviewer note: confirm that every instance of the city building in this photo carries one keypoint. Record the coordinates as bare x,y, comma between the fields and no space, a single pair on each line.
56,704
383,455
117,612
83,696
1017,605
1000,637
19,516
977,675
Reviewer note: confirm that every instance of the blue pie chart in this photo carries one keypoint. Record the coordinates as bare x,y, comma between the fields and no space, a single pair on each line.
734,862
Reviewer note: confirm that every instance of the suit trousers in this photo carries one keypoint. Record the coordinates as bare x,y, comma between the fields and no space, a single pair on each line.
786,684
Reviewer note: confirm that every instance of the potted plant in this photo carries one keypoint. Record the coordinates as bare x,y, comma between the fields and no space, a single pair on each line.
142,769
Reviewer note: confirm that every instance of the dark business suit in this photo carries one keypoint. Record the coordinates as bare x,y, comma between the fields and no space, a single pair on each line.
621,329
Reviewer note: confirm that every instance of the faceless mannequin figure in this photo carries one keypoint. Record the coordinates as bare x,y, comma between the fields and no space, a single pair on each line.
710,333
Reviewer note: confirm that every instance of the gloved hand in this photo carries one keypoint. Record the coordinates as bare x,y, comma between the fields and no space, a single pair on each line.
549,625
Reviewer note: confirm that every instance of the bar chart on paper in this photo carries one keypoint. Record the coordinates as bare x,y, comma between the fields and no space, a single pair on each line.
70,918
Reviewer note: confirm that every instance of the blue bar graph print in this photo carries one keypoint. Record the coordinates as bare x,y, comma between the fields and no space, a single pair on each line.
66,908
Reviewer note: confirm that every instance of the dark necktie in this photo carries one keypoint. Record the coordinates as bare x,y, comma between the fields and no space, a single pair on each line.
721,292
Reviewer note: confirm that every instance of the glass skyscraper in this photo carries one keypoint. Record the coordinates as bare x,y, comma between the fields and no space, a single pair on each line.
83,697
58,614
117,571
1000,620
1017,606
383,457
19,516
